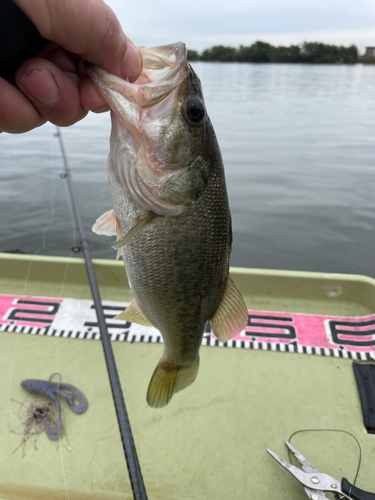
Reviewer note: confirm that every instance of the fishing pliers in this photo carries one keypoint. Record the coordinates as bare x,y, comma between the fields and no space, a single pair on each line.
316,483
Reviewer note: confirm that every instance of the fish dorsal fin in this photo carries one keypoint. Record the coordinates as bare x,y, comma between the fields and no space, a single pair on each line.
230,318
134,230
134,314
106,224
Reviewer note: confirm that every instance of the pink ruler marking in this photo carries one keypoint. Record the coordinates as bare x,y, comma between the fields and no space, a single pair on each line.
311,330
13,311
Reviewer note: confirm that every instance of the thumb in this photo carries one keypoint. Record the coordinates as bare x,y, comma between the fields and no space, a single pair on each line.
88,28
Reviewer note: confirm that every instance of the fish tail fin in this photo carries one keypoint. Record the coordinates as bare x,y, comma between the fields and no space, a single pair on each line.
168,379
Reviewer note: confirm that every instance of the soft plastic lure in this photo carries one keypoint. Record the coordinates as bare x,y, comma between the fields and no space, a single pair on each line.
53,390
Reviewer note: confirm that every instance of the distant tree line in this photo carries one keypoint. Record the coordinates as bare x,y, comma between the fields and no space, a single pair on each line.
262,52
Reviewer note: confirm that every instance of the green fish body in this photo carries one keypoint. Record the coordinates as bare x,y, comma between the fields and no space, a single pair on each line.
170,213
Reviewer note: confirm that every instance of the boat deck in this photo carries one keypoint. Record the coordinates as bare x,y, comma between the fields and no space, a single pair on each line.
210,441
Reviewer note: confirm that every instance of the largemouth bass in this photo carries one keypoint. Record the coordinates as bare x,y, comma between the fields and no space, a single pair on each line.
170,212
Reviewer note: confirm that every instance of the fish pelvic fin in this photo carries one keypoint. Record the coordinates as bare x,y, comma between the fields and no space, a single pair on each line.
134,314
168,379
134,230
230,318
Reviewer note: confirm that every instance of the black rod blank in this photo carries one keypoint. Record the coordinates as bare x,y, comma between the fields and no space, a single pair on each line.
135,474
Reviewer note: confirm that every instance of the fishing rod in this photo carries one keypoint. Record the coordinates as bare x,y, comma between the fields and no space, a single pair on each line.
134,469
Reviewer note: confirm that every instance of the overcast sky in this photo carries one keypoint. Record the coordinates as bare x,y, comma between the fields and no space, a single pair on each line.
203,23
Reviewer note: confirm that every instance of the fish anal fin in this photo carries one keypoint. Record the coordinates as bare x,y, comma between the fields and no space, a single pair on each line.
168,379
230,318
134,314
106,224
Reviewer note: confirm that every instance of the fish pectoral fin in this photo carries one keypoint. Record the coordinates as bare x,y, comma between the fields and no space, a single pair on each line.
134,314
168,379
106,224
109,225
230,318
134,230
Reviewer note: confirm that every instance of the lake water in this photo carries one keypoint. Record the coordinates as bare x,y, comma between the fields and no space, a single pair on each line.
298,144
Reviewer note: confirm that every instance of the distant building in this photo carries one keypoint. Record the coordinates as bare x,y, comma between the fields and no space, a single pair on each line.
370,52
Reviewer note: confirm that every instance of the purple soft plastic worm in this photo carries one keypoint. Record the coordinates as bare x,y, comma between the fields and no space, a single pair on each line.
53,390
82,404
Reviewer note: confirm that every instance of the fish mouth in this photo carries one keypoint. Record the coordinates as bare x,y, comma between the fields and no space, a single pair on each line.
152,98
164,69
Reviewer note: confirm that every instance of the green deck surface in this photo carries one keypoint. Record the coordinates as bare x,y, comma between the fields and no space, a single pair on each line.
210,441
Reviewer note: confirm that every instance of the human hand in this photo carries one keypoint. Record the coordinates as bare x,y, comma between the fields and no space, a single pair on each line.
54,86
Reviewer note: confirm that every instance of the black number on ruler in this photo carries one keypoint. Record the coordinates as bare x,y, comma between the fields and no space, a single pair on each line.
109,316
338,335
282,320
18,314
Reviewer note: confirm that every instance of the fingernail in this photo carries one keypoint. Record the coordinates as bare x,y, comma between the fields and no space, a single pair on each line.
102,109
131,66
41,85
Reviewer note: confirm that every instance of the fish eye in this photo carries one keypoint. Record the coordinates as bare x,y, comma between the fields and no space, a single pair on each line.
193,111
